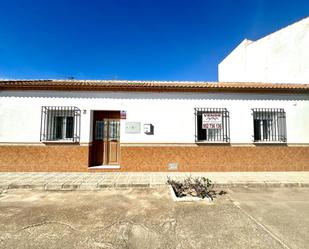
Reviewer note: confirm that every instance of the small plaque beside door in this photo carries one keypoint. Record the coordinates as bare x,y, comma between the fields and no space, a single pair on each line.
133,127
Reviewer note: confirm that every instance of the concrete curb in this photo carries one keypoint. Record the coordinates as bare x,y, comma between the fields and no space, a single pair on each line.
59,186
206,200
260,184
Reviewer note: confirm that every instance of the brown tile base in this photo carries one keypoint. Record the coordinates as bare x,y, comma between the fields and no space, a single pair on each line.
216,158
56,158
73,158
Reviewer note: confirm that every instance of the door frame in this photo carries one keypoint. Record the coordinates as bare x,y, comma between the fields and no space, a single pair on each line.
104,144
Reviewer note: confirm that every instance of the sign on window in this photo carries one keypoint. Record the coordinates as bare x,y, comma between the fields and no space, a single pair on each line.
212,121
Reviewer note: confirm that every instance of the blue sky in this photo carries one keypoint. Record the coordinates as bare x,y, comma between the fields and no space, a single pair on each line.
133,40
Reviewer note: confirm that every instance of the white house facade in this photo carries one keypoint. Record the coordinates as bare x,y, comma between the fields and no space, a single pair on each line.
153,126
281,57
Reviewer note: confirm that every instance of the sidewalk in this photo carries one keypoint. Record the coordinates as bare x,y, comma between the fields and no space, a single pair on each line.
102,180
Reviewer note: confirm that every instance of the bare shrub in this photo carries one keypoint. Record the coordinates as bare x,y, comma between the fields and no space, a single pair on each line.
193,186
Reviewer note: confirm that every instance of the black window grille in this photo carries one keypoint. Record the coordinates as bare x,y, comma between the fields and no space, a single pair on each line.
212,125
269,125
60,123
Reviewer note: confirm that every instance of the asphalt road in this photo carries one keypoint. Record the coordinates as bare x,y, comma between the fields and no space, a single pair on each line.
283,212
148,218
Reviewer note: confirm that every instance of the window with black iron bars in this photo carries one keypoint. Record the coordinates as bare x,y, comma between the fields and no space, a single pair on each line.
269,125
60,123
212,125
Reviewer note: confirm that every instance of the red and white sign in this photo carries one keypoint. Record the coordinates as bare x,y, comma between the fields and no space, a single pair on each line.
123,114
212,121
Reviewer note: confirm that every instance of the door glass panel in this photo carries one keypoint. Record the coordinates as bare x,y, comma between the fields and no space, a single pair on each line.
114,130
105,129
99,128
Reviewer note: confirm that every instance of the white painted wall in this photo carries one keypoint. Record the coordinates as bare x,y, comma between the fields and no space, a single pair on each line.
172,114
281,57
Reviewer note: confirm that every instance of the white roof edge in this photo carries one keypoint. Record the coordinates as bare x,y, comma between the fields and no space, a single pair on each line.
245,42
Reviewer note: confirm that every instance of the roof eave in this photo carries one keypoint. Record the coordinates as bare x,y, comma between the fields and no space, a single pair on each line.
156,88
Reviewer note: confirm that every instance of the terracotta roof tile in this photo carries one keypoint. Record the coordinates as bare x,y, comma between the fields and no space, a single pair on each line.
119,85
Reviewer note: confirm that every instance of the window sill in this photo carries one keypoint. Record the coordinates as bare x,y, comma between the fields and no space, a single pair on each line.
211,142
269,142
117,166
60,142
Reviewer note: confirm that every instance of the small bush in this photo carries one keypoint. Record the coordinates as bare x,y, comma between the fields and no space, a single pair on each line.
190,186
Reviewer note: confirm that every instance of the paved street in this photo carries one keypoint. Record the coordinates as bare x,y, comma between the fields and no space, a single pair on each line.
283,213
148,218
101,180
